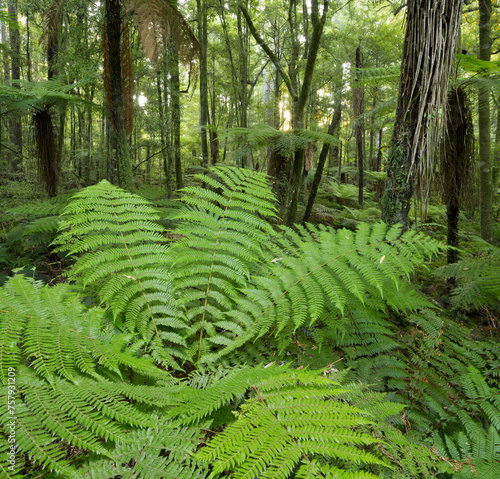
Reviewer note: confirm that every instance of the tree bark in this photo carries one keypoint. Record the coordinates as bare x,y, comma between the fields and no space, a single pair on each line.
484,123
321,163
318,22
202,35
176,117
358,107
113,21
164,136
16,129
429,47
457,160
299,98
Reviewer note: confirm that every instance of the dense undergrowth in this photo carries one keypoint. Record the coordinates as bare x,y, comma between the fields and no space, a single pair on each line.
200,339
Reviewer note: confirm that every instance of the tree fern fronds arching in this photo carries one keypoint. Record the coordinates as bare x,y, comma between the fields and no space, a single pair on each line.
220,247
319,265
124,253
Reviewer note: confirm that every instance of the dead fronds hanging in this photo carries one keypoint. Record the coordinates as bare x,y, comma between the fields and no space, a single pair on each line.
457,150
430,45
456,166
158,21
51,23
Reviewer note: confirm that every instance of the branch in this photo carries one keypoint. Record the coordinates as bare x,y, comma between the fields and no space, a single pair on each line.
260,41
148,158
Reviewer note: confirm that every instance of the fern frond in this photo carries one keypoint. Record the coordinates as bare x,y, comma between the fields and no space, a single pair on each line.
284,422
124,253
220,246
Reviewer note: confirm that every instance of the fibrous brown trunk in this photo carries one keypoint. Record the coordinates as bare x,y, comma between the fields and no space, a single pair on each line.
429,48
457,162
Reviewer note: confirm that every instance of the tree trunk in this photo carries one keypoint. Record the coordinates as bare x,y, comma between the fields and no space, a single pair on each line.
358,107
202,35
300,103
321,163
176,117
484,122
429,48
496,167
457,161
16,129
113,13
164,136
299,99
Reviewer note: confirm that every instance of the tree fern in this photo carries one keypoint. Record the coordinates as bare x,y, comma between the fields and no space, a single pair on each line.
478,279
222,238
124,254
68,366
231,277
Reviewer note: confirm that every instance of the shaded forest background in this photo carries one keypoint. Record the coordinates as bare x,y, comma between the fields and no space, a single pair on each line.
72,116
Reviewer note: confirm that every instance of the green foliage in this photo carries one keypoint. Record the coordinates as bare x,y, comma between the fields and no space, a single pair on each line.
284,143
290,423
125,370
478,279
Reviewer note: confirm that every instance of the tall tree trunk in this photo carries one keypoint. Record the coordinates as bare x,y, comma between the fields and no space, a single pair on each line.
300,101
429,47
496,166
16,129
457,161
484,122
358,107
202,35
113,22
176,117
164,136
299,98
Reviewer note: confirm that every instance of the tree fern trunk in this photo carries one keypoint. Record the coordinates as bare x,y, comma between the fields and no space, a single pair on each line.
429,47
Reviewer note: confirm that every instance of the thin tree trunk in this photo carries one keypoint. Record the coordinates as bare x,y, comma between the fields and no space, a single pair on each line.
358,107
496,166
484,122
299,99
16,129
176,118
202,35
164,136
321,163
